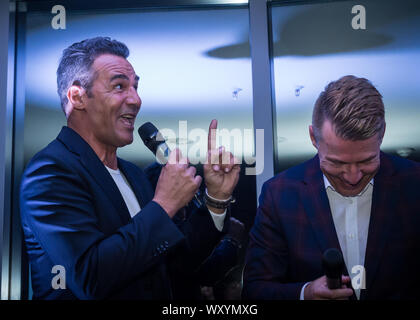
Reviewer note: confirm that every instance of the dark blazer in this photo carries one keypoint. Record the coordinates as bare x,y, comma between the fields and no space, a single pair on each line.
294,226
73,215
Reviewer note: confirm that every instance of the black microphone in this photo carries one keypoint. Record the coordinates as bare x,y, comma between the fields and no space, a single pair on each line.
333,264
155,142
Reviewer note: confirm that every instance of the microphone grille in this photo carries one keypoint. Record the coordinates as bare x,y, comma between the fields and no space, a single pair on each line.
146,131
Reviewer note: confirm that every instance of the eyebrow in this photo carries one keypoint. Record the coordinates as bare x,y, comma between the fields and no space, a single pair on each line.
123,76
334,160
343,162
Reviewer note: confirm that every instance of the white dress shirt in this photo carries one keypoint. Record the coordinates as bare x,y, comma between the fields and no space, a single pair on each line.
351,217
134,206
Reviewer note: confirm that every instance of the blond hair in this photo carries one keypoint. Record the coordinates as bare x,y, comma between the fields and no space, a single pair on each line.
353,106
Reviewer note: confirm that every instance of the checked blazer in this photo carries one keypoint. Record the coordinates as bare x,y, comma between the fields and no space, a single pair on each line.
294,226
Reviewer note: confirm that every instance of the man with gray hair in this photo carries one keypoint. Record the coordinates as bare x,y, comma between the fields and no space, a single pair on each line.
350,196
95,216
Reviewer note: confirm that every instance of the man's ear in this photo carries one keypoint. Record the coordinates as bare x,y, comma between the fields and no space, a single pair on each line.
312,136
77,97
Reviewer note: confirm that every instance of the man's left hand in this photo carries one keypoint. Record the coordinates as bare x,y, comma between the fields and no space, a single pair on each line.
221,172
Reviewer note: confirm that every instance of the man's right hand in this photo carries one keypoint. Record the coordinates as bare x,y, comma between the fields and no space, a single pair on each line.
318,290
177,184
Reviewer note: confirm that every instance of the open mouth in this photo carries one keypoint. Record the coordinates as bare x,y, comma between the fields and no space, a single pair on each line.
128,120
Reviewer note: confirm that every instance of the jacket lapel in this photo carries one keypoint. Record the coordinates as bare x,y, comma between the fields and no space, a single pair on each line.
96,168
139,186
317,207
384,201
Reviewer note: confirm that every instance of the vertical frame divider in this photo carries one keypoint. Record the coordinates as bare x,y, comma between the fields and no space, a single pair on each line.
262,84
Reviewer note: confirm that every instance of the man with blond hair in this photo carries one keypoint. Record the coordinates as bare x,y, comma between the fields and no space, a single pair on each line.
351,196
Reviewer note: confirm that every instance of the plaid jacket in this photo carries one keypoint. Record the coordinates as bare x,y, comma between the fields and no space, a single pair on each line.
294,226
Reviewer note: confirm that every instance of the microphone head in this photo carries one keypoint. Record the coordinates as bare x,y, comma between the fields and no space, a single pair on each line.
333,263
154,141
150,136
147,131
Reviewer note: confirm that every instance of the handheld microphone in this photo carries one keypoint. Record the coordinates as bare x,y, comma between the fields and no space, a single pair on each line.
155,142
333,264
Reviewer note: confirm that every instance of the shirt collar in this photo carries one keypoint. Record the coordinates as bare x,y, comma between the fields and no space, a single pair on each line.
327,185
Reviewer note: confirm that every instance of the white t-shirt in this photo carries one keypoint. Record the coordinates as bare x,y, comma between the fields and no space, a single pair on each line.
134,206
126,191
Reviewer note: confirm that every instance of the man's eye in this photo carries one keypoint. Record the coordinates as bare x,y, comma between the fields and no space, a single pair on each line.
118,86
367,161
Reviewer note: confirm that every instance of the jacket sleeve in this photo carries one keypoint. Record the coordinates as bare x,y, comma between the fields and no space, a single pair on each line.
57,207
266,264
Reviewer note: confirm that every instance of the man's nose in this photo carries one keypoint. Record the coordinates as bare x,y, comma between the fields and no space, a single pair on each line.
133,98
353,174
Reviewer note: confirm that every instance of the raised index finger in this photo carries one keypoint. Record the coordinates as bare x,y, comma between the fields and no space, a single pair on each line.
211,143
